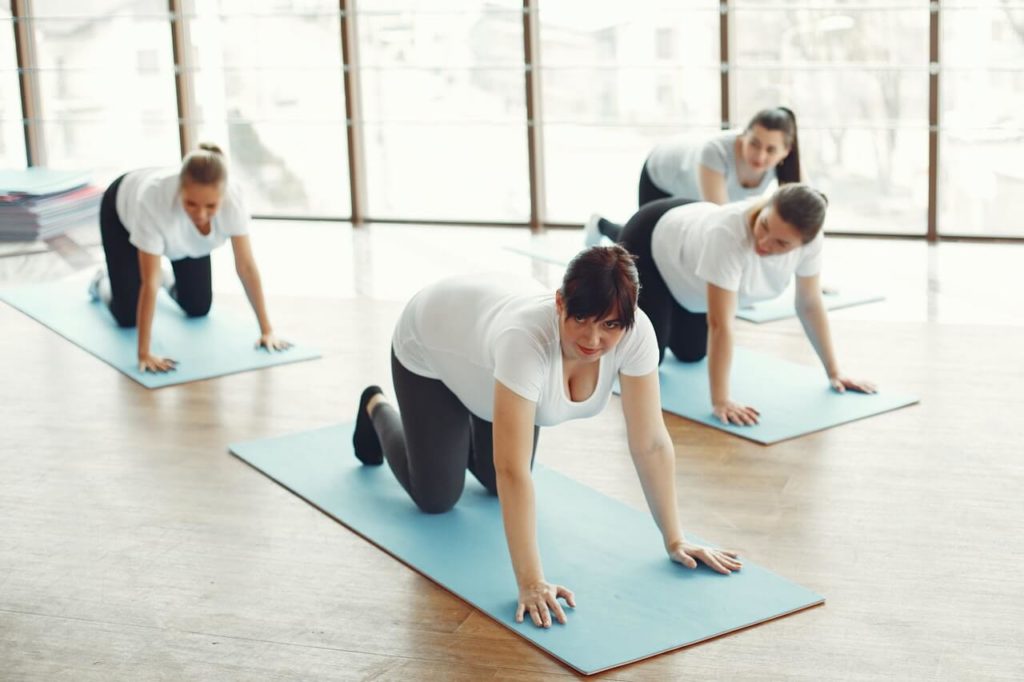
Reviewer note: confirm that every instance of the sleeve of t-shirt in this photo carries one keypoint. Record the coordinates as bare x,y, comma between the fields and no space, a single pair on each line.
640,352
713,156
811,257
721,260
520,363
145,235
235,218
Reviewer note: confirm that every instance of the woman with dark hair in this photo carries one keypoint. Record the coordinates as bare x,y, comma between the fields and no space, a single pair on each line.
698,261
480,363
728,166
182,213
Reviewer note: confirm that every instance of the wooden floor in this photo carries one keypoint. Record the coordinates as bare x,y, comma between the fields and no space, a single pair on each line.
134,547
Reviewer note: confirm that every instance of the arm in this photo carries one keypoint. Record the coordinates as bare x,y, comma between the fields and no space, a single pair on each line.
721,313
149,287
712,185
810,308
513,447
249,274
654,458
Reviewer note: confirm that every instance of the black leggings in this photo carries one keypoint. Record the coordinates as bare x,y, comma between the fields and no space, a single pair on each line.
431,443
192,287
685,333
646,193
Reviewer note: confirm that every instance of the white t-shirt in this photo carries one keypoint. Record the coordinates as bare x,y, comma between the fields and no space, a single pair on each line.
674,166
471,330
701,243
149,206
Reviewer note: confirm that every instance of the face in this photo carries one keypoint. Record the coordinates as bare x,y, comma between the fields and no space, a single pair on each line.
201,202
763,148
772,234
587,338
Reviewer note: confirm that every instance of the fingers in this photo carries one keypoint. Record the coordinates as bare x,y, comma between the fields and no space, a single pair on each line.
741,416
838,386
566,594
864,386
555,608
685,559
712,562
520,610
542,617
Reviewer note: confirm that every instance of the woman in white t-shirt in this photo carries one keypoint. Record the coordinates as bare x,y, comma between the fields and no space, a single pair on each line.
698,261
184,214
721,168
480,363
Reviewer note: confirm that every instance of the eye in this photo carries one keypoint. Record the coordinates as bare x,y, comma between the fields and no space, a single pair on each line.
579,319
612,324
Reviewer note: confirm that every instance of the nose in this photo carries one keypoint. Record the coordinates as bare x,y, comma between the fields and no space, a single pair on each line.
593,338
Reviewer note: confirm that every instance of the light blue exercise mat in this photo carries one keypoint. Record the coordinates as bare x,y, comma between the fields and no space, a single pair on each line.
218,344
778,308
632,601
793,399
781,307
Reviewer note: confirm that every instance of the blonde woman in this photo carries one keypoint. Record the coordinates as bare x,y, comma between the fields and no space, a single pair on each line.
182,214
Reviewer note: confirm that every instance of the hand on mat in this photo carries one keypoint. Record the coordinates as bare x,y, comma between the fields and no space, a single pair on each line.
540,600
734,413
840,384
724,561
152,363
272,343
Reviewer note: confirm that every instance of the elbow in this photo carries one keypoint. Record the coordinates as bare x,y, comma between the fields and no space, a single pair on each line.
719,324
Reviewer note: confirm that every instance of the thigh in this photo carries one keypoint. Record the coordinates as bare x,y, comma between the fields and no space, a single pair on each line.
193,284
437,434
689,334
122,258
647,191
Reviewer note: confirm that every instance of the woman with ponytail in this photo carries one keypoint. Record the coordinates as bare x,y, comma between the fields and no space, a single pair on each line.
181,213
726,167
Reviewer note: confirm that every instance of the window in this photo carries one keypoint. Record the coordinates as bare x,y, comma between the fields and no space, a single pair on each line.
267,86
98,109
444,104
617,78
12,136
982,128
856,75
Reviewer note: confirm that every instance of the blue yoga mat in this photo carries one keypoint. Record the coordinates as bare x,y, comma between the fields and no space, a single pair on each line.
218,344
766,311
632,601
793,399
781,307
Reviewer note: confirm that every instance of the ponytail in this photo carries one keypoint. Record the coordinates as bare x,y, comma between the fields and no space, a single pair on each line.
204,166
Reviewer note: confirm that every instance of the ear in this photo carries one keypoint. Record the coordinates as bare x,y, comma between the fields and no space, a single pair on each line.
559,303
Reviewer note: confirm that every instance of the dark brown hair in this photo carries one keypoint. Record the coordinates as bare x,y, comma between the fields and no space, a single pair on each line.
784,120
801,206
599,282
204,166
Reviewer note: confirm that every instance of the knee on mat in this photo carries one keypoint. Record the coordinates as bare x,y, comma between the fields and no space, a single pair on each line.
436,504
124,318
196,308
689,354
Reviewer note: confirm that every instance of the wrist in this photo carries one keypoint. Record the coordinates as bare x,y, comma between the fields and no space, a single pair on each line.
674,541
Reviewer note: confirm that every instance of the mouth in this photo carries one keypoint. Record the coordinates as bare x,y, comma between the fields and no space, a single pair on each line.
589,352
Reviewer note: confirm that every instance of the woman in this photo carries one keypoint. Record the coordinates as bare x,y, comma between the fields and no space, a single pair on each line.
479,364
184,214
729,166
698,261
